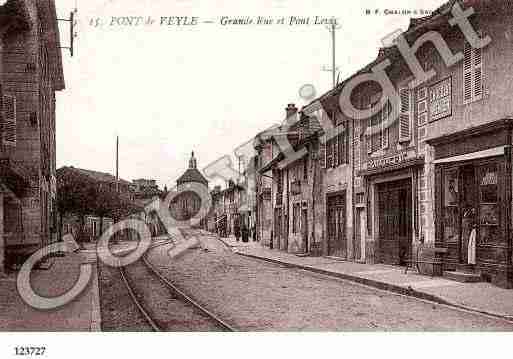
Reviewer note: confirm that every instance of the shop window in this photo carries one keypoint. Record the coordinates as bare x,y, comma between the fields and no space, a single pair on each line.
489,214
451,206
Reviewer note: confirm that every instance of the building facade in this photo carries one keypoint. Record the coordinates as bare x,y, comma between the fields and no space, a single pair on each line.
31,73
187,203
435,185
424,178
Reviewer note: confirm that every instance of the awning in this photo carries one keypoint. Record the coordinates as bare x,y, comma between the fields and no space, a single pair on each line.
492,152
14,176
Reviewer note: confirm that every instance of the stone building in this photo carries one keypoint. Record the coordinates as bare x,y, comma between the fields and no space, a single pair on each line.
440,174
188,203
31,72
419,176
265,153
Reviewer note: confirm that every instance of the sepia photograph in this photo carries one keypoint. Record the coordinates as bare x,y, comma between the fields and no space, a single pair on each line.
318,178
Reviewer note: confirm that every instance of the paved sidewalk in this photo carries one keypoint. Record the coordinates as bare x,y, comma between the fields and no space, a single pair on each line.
480,297
82,314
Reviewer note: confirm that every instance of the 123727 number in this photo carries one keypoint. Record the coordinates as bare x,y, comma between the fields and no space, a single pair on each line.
29,351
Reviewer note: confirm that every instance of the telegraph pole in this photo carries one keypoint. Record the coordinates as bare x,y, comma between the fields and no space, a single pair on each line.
332,28
117,164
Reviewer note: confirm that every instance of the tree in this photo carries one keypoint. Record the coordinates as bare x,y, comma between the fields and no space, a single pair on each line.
80,195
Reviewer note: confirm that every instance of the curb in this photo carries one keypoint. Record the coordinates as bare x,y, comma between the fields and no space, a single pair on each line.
96,318
381,285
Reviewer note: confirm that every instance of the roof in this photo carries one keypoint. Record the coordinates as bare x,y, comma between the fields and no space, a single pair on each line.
192,175
329,99
96,175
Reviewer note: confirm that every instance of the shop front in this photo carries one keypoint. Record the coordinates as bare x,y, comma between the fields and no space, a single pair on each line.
391,207
473,201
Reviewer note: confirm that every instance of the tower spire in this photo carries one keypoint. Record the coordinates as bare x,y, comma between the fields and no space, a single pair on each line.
192,161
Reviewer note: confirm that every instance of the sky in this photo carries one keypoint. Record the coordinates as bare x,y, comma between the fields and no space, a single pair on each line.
169,90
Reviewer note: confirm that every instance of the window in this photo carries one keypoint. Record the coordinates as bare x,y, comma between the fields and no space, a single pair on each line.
9,120
295,218
489,208
422,106
472,73
378,140
337,149
451,206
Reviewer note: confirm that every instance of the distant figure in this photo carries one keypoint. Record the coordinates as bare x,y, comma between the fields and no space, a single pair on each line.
245,233
236,229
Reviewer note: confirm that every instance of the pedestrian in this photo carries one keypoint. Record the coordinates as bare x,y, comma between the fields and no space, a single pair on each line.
254,233
236,229
245,233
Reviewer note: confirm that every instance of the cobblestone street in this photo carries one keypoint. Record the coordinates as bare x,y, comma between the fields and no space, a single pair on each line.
254,295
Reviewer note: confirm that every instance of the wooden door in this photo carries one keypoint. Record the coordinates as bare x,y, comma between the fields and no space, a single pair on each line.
336,221
360,235
395,221
304,229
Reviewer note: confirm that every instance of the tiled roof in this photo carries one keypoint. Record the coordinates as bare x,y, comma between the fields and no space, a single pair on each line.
192,175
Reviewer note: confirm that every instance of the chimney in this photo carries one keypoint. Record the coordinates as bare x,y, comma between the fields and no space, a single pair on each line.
291,112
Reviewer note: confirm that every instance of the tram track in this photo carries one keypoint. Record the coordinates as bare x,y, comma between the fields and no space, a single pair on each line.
164,306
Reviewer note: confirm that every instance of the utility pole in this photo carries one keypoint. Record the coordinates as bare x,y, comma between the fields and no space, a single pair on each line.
117,164
332,28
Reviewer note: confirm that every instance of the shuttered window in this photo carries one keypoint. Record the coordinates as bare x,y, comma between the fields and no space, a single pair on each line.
379,140
405,115
9,120
472,73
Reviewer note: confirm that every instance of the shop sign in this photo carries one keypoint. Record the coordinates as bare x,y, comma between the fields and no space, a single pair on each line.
387,161
440,99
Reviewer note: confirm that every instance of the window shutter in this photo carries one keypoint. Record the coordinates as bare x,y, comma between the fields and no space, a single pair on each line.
467,73
334,142
384,130
405,115
368,139
322,154
9,119
477,57
341,147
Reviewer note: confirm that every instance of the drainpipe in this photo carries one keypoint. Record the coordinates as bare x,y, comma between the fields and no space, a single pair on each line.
353,197
314,178
2,238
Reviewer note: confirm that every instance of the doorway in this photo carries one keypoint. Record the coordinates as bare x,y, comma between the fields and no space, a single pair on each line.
304,229
395,221
471,200
336,221
277,227
360,235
